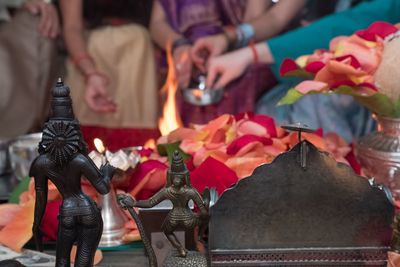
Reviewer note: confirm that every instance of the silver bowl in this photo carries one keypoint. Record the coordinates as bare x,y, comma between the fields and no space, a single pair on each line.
202,97
23,150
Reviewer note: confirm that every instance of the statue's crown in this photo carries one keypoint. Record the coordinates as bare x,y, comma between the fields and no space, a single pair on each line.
61,104
177,164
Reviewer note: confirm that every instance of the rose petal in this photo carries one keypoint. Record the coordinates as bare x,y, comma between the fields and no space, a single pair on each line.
353,61
213,174
267,122
244,166
15,235
244,140
250,127
308,86
8,211
287,66
314,67
181,134
379,28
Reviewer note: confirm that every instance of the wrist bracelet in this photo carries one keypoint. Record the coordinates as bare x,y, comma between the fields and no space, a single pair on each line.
245,32
180,42
77,60
254,51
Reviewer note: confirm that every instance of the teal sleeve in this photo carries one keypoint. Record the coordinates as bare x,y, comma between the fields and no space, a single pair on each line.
318,34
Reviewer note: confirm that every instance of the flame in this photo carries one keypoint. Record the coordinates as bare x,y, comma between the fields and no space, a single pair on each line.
150,144
170,119
99,145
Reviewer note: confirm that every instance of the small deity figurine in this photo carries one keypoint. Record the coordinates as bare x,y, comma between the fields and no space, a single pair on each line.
395,243
63,160
179,191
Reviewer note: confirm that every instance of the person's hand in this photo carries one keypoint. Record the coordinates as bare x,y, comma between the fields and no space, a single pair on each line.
208,47
183,65
224,69
49,25
96,95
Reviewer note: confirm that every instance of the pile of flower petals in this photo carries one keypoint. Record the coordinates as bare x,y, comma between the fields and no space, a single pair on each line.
350,61
240,144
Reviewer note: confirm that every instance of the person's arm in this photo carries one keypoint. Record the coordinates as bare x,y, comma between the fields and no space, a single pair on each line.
302,41
49,24
275,19
318,34
96,95
164,36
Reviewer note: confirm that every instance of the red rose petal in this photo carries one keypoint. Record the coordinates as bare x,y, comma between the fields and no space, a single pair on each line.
50,221
314,67
267,122
213,173
379,28
242,141
143,169
288,65
353,61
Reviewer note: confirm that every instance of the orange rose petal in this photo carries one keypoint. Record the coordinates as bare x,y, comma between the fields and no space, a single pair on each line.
252,128
255,147
244,167
132,236
16,234
131,224
181,134
393,259
190,146
98,256
8,211
217,124
308,86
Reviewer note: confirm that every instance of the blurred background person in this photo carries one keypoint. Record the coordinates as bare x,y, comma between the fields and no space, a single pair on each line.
111,66
218,26
28,29
332,113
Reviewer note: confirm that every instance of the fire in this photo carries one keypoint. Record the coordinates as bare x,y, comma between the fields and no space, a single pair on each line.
150,144
170,119
99,145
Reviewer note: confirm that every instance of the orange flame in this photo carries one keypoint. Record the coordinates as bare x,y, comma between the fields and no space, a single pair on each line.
99,145
170,119
150,144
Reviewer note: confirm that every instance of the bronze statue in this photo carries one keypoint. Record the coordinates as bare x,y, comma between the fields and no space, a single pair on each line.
395,243
63,160
179,190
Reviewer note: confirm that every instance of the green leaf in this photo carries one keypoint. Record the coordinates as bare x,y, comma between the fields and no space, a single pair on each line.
377,103
292,96
169,149
299,73
21,187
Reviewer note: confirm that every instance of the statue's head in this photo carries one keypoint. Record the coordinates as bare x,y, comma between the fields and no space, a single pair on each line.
178,174
62,137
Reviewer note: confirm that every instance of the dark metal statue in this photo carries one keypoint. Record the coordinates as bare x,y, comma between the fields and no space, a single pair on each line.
63,160
179,191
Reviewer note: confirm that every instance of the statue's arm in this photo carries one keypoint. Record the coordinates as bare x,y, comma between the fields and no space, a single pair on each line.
41,188
154,200
198,201
100,179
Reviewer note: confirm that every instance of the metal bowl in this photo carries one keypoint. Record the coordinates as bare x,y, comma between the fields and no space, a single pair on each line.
23,151
200,95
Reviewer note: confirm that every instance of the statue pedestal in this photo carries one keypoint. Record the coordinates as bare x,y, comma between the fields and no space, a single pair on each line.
193,259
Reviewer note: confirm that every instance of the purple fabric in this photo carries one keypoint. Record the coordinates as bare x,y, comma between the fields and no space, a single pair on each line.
198,18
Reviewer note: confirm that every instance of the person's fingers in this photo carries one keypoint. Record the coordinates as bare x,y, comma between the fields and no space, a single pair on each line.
55,23
223,80
45,22
211,75
196,52
31,7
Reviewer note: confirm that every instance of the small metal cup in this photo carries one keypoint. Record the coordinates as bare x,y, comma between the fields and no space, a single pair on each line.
200,95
